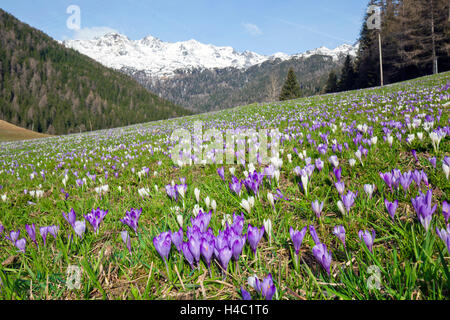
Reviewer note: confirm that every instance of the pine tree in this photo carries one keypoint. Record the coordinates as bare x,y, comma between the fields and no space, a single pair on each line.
291,88
332,83
347,80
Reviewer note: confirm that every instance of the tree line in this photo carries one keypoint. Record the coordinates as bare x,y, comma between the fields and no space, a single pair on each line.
415,37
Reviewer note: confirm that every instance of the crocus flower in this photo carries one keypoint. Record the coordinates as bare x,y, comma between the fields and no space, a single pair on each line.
172,192
79,228
268,288
323,256
391,207
207,250
237,244
235,185
224,257
13,236
297,238
334,160
314,235
369,188
422,205
444,234
187,254
20,244
337,173
126,239
31,230
131,218
432,161
446,211
319,164
254,235
349,200
95,217
197,194
177,238
268,229
162,243
43,231
340,187
245,294
70,217
367,237
221,173
317,208
339,232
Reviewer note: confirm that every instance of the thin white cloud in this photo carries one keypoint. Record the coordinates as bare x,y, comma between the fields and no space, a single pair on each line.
252,29
91,33
312,30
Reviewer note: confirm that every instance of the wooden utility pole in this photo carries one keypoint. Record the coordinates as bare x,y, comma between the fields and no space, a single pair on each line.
381,58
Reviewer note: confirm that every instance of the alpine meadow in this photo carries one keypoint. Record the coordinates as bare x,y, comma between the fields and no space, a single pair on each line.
163,170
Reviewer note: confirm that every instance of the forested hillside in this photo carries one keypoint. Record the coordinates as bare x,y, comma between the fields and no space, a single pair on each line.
48,88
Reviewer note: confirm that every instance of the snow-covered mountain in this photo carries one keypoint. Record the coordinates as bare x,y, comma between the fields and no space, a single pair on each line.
160,59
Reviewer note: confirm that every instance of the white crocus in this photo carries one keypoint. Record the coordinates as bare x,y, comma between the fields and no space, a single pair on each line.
271,199
352,162
446,169
369,188
341,208
197,194
390,140
289,156
197,209
207,202
4,197
268,229
180,220
214,205
144,192
232,170
226,218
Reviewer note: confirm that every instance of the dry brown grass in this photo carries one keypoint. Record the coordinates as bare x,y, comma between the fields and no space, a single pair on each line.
10,132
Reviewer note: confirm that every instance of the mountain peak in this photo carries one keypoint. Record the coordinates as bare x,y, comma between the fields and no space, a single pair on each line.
161,59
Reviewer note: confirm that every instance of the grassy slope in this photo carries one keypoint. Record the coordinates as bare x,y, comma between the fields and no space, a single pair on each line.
10,132
413,263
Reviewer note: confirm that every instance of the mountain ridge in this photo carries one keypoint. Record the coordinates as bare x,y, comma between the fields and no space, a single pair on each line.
160,59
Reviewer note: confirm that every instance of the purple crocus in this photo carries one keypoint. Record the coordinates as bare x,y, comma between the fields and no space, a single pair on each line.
444,234
433,161
254,235
340,187
314,235
71,217
268,288
339,232
297,238
95,217
221,173
21,244
31,230
13,236
131,218
445,210
172,192
322,255
405,181
235,185
224,257
391,207
79,228
177,239
207,250
422,205
43,231
317,207
337,173
162,243
367,237
237,243
126,239
245,294
319,164
187,254
349,200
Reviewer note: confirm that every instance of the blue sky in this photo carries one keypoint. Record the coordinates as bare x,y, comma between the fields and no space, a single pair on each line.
262,26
